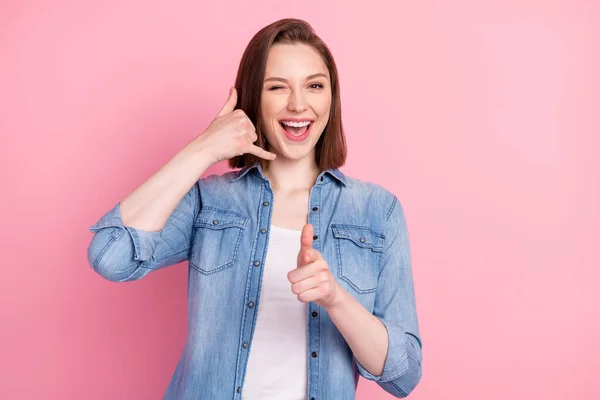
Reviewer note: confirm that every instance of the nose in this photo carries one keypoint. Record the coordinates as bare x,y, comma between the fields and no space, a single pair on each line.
297,102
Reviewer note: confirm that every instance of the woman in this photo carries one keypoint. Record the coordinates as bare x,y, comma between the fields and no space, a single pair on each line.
299,276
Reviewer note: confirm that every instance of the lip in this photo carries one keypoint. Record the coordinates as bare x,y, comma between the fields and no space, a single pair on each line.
296,120
302,137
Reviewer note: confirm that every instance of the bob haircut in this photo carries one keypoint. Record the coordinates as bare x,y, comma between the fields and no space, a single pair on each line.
330,150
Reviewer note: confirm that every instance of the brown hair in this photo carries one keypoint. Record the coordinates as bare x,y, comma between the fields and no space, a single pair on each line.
330,150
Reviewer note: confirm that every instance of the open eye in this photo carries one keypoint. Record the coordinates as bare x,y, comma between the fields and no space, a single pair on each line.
316,86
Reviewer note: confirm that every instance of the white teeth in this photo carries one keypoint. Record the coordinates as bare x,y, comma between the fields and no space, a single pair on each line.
295,124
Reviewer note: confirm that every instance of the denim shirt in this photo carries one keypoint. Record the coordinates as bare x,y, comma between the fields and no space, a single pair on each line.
221,227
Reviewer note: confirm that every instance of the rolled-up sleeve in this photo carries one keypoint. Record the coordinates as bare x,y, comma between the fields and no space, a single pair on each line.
121,253
396,308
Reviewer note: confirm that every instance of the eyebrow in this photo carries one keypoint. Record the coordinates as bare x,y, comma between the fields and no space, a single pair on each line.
320,74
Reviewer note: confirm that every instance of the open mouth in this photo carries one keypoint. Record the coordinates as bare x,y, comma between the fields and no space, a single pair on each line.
296,128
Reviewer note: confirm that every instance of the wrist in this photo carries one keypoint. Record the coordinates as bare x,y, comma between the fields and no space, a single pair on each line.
200,151
339,301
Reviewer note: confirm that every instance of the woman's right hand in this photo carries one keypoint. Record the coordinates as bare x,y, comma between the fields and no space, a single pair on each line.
231,134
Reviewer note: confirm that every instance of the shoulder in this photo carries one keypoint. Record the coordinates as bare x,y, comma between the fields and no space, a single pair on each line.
218,190
219,181
375,194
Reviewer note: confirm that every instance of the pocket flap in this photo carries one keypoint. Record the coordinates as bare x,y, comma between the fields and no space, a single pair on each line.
361,236
214,218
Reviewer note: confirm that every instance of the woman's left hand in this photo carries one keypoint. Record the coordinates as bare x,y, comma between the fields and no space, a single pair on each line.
312,280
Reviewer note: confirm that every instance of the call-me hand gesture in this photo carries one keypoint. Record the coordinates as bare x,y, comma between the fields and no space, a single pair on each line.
232,134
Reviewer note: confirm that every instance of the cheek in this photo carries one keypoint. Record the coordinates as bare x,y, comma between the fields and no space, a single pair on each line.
268,126
270,106
323,107
266,115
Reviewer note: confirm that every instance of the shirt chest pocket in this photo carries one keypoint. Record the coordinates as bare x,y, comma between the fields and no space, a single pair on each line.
218,234
359,250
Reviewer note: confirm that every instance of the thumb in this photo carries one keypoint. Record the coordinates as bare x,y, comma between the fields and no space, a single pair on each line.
230,103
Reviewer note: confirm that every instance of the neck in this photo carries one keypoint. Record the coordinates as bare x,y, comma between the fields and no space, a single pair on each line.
290,175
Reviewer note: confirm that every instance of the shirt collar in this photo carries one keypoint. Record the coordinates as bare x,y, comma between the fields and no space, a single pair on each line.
325,175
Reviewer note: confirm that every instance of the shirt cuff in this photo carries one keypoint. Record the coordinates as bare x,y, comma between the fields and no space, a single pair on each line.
396,362
144,242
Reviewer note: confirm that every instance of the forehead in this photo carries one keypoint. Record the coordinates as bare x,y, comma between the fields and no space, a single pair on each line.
294,61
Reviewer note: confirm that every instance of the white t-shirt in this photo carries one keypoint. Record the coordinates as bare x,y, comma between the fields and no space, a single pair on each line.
278,365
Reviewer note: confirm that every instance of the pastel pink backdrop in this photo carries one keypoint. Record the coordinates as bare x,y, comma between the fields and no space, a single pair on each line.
480,115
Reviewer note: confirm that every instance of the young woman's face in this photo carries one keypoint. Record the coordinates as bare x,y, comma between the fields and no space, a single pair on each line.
296,99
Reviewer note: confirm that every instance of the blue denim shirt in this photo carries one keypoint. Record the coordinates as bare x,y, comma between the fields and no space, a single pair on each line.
222,227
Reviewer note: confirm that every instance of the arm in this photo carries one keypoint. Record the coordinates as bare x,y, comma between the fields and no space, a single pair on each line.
152,227
386,344
365,333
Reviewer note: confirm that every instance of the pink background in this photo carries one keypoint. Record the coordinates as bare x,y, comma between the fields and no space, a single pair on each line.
482,116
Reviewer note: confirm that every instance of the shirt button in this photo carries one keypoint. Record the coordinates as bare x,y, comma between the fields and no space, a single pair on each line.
239,389
315,314
256,263
263,230
265,203
251,305
315,208
215,221
315,237
314,354
245,345
362,240
321,179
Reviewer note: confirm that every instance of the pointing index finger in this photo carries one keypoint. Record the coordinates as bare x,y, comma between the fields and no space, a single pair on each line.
306,238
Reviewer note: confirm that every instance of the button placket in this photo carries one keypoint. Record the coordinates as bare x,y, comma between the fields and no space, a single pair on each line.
253,289
314,330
